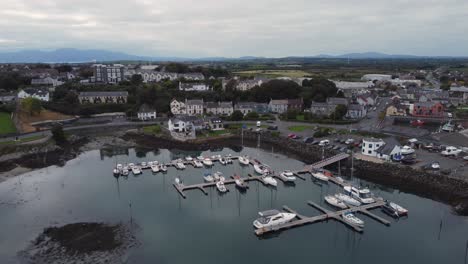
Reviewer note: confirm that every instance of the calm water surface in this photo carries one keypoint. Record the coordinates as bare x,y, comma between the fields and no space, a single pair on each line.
214,228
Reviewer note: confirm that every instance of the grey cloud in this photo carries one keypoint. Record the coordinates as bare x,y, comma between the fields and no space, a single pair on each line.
236,28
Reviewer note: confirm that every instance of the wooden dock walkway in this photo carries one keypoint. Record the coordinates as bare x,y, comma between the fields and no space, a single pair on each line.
336,215
327,161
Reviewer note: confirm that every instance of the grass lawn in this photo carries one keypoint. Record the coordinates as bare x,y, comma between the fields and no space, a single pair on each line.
6,124
300,128
155,129
214,133
22,140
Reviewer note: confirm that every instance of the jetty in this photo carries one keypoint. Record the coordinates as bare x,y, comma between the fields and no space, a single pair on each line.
327,215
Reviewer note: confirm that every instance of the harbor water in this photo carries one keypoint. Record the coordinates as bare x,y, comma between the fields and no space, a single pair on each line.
218,228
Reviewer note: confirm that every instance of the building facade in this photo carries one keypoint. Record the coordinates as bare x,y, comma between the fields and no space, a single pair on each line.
371,145
38,93
146,112
278,106
194,107
116,97
178,107
111,74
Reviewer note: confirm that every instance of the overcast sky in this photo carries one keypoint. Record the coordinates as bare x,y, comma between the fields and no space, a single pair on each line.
232,28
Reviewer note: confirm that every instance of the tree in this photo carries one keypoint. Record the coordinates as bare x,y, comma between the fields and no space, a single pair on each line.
237,115
71,98
136,79
339,113
291,114
31,105
251,115
64,68
58,135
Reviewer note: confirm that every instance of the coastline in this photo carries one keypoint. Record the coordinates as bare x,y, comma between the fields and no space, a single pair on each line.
436,187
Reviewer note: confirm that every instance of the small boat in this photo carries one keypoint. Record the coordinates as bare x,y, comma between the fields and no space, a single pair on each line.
243,160
208,177
131,165
178,182
155,168
362,195
144,165
261,169
125,172
155,162
221,187
394,209
215,157
435,165
319,175
352,219
339,179
163,168
136,170
268,180
197,164
228,159
222,161
240,183
287,176
407,150
208,162
332,200
347,199
200,158
119,166
180,165
448,127
116,172
218,176
188,158
272,218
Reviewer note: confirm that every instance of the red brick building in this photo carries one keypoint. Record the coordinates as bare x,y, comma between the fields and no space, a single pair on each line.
428,109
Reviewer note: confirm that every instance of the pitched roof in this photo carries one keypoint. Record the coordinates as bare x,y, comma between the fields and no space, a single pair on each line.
144,108
279,102
297,101
38,91
104,93
194,102
390,144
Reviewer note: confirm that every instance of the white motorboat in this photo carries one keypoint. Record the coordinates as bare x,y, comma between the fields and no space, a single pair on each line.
465,158
218,176
352,219
116,172
178,182
288,176
200,158
163,168
362,195
119,166
347,199
261,169
221,187
197,164
222,161
208,177
150,163
269,180
228,160
332,200
125,172
155,162
240,183
394,209
244,160
215,157
144,165
272,218
188,158
136,170
180,165
407,150
448,127
155,168
319,175
339,179
131,165
207,162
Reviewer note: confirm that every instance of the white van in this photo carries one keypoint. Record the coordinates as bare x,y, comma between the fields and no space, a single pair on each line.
259,124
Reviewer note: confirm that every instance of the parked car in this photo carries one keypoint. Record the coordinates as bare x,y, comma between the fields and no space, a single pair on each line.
308,140
336,147
272,127
291,135
297,137
343,149
349,141
324,142
315,142
451,151
337,140
270,121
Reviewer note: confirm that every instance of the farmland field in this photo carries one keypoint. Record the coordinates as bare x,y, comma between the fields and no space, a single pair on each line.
6,124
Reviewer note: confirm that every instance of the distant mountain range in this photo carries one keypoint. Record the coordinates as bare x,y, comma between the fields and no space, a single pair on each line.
77,55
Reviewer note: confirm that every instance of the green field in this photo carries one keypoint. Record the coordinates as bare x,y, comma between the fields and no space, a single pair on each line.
155,129
274,73
6,124
22,140
300,128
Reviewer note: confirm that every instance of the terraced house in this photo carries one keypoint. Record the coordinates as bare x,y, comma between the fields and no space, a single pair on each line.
219,108
117,97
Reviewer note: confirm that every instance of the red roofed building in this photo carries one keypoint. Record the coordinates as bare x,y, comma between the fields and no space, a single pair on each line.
428,109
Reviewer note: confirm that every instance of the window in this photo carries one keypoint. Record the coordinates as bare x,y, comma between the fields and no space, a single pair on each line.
370,145
370,152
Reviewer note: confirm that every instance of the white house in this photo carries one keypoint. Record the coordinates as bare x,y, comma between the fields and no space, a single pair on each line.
356,111
371,145
194,107
219,108
278,106
37,93
178,107
47,81
193,87
180,124
146,112
246,85
391,149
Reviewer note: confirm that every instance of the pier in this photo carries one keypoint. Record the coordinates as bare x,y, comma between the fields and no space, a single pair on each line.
327,215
